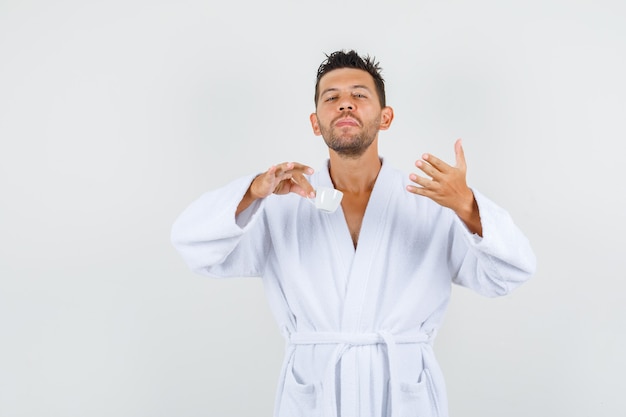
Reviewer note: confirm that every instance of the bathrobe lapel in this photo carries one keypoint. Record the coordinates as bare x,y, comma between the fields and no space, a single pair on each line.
357,263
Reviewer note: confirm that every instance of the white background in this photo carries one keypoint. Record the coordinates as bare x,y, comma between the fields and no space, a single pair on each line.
115,115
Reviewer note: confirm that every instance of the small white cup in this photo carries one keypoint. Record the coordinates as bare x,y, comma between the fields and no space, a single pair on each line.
327,199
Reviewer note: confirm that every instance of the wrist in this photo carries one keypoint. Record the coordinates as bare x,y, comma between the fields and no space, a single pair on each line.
467,206
470,215
252,193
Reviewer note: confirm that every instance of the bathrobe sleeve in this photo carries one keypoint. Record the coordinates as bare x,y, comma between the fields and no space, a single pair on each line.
213,242
498,262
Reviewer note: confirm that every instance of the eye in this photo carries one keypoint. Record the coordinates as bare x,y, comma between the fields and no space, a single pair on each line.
331,98
359,95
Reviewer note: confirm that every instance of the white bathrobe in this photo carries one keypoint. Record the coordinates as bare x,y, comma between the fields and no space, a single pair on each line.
359,324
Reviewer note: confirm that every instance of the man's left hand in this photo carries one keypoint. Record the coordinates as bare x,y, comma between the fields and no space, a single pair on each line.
447,186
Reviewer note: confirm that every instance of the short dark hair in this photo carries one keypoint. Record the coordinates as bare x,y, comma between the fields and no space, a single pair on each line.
351,59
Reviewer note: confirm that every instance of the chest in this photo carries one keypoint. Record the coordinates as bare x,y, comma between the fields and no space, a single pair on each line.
353,206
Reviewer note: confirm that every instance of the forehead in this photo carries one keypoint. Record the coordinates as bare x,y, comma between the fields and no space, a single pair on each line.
346,78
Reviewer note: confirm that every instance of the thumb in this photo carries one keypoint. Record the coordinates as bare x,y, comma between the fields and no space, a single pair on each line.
460,155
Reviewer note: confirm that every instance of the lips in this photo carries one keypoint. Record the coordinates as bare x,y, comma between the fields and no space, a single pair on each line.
346,121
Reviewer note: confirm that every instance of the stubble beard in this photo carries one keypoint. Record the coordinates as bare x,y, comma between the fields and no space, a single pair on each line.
348,145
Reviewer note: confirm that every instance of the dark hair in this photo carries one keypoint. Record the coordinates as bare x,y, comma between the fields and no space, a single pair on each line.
351,59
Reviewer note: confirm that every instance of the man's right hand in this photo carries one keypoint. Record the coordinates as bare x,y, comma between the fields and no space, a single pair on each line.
284,178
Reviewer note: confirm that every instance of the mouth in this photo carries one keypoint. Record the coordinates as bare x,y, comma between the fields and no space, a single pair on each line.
346,121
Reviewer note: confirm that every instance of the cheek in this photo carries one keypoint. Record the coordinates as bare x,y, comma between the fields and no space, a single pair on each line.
320,122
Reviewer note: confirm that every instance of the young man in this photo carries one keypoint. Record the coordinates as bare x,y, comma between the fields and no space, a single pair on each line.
359,293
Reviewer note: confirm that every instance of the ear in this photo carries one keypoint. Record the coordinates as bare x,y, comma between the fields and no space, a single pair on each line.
386,117
315,125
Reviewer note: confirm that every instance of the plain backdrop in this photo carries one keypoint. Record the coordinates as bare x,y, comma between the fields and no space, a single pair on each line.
115,115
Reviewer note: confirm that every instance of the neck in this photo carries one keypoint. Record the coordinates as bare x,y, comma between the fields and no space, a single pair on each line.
355,175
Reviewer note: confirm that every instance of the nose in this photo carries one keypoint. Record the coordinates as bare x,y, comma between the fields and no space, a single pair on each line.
345,104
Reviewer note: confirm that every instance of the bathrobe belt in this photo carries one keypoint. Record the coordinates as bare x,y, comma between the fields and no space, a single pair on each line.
345,341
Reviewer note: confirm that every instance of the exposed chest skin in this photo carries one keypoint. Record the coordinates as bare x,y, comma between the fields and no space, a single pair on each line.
354,206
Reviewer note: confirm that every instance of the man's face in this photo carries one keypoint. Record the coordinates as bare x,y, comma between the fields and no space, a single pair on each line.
348,114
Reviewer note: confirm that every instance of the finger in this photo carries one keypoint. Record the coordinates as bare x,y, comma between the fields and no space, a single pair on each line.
302,168
418,190
265,183
299,184
460,154
275,177
437,163
283,169
427,168
302,186
302,192
269,176
287,170
421,181
294,166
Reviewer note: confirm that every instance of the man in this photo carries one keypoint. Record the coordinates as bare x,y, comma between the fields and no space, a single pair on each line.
359,293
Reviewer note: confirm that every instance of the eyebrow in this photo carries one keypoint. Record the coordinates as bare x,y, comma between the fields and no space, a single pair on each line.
353,87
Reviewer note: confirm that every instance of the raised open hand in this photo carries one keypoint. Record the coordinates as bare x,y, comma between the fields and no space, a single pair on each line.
447,186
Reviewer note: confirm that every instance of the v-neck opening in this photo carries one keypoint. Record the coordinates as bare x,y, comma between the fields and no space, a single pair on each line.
357,262
340,223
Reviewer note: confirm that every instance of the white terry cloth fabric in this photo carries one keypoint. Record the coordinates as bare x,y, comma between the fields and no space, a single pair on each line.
359,324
